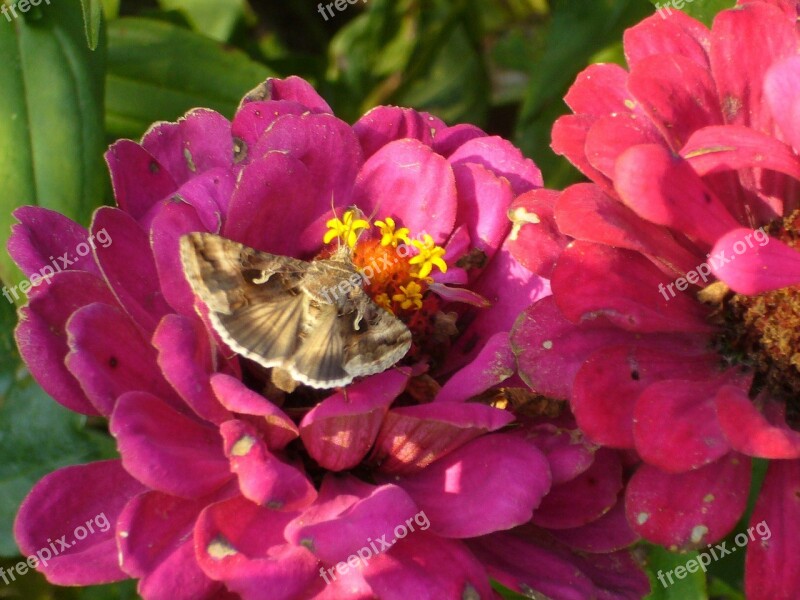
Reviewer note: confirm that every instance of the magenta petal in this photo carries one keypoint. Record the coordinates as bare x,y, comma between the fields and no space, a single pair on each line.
292,89
465,495
128,267
609,533
407,180
524,566
42,337
664,189
688,510
694,437
168,451
385,124
412,437
154,534
608,385
585,498
65,501
39,242
187,360
535,240
503,159
340,430
425,567
567,451
452,138
749,432
253,118
333,536
242,545
278,428
772,563
494,364
199,141
173,220
752,266
109,357
138,179
263,477
782,90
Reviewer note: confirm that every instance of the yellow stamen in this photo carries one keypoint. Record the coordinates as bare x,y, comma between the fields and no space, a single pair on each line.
411,296
389,234
430,255
345,229
383,301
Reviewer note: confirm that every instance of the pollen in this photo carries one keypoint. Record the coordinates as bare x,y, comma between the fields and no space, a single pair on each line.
346,229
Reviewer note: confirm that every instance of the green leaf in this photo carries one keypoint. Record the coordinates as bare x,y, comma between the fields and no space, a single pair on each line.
92,21
702,10
37,435
665,583
157,71
51,118
214,18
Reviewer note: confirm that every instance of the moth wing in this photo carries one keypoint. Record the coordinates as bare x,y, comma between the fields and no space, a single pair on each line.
254,298
319,360
378,342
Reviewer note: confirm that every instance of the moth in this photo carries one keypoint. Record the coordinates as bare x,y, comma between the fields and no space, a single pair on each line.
312,321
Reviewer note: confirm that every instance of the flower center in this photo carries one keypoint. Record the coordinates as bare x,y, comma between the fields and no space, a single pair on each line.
762,332
396,271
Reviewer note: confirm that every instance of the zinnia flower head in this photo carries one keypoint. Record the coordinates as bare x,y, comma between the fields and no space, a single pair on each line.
402,484
673,324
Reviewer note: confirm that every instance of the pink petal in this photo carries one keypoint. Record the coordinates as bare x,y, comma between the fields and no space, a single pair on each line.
155,546
503,159
241,544
128,267
199,141
567,451
109,357
138,179
609,384
332,536
694,437
622,287
739,71
584,499
412,437
751,267
494,364
82,496
665,189
254,118
42,337
426,567
292,89
278,428
263,477
168,451
407,180
749,431
782,91
187,360
39,242
612,134
340,430
772,571
465,495
384,124
688,510
609,533
600,90
668,32
535,240
450,139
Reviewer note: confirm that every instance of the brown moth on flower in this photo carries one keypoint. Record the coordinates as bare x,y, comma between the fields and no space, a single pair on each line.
310,320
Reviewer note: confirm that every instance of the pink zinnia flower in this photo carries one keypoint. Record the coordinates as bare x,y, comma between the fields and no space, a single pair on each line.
221,493
673,324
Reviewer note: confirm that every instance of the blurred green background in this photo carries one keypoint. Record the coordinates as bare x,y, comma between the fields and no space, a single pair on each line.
77,74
